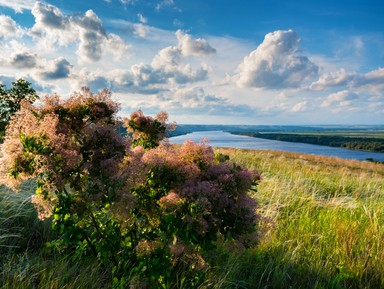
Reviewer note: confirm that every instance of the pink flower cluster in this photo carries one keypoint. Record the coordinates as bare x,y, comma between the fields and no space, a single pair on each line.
147,130
162,197
72,145
213,196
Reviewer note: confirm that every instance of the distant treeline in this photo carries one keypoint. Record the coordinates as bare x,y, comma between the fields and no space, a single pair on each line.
354,143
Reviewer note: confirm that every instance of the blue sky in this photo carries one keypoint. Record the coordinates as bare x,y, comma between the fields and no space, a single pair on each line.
213,62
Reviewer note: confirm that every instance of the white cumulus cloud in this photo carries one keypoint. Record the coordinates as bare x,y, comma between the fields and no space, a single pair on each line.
333,79
92,36
276,64
18,5
340,98
8,27
372,81
196,101
59,68
169,69
23,60
169,62
196,47
53,28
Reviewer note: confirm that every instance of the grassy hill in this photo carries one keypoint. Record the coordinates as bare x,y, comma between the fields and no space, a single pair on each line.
321,226
323,222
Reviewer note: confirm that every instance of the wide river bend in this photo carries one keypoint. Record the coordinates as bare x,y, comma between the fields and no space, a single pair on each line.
225,139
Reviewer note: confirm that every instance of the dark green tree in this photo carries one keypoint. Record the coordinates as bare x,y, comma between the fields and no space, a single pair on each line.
10,99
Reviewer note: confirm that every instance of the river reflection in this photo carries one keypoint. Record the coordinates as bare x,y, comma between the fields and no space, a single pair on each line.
225,139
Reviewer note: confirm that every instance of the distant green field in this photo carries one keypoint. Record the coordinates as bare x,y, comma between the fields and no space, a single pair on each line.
355,140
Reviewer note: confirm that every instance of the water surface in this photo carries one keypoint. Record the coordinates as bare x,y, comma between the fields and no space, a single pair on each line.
226,139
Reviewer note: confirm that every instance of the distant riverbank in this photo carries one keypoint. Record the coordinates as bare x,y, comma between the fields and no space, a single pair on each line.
370,144
226,139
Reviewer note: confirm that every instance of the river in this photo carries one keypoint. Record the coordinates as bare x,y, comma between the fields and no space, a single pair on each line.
225,139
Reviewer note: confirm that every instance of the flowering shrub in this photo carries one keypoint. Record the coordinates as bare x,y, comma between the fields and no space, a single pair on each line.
140,205
10,99
148,131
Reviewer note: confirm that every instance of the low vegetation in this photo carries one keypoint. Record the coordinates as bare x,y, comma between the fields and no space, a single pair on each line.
321,221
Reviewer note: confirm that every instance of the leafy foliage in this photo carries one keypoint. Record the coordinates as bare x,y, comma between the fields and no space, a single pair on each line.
140,205
11,98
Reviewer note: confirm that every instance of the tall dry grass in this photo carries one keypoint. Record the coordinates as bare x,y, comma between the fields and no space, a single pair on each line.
323,223
26,262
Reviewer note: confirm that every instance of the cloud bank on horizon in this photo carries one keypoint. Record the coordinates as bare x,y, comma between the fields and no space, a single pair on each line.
162,56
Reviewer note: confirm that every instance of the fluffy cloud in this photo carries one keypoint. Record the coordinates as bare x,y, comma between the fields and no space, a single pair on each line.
167,70
15,55
196,47
194,100
60,68
18,5
52,28
49,16
23,60
141,78
140,30
92,36
275,64
116,46
341,99
168,61
8,27
372,81
95,80
333,79
299,107
142,19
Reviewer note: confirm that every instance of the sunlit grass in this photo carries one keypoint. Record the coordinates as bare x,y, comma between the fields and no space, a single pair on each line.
323,222
322,227
26,261
30,270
